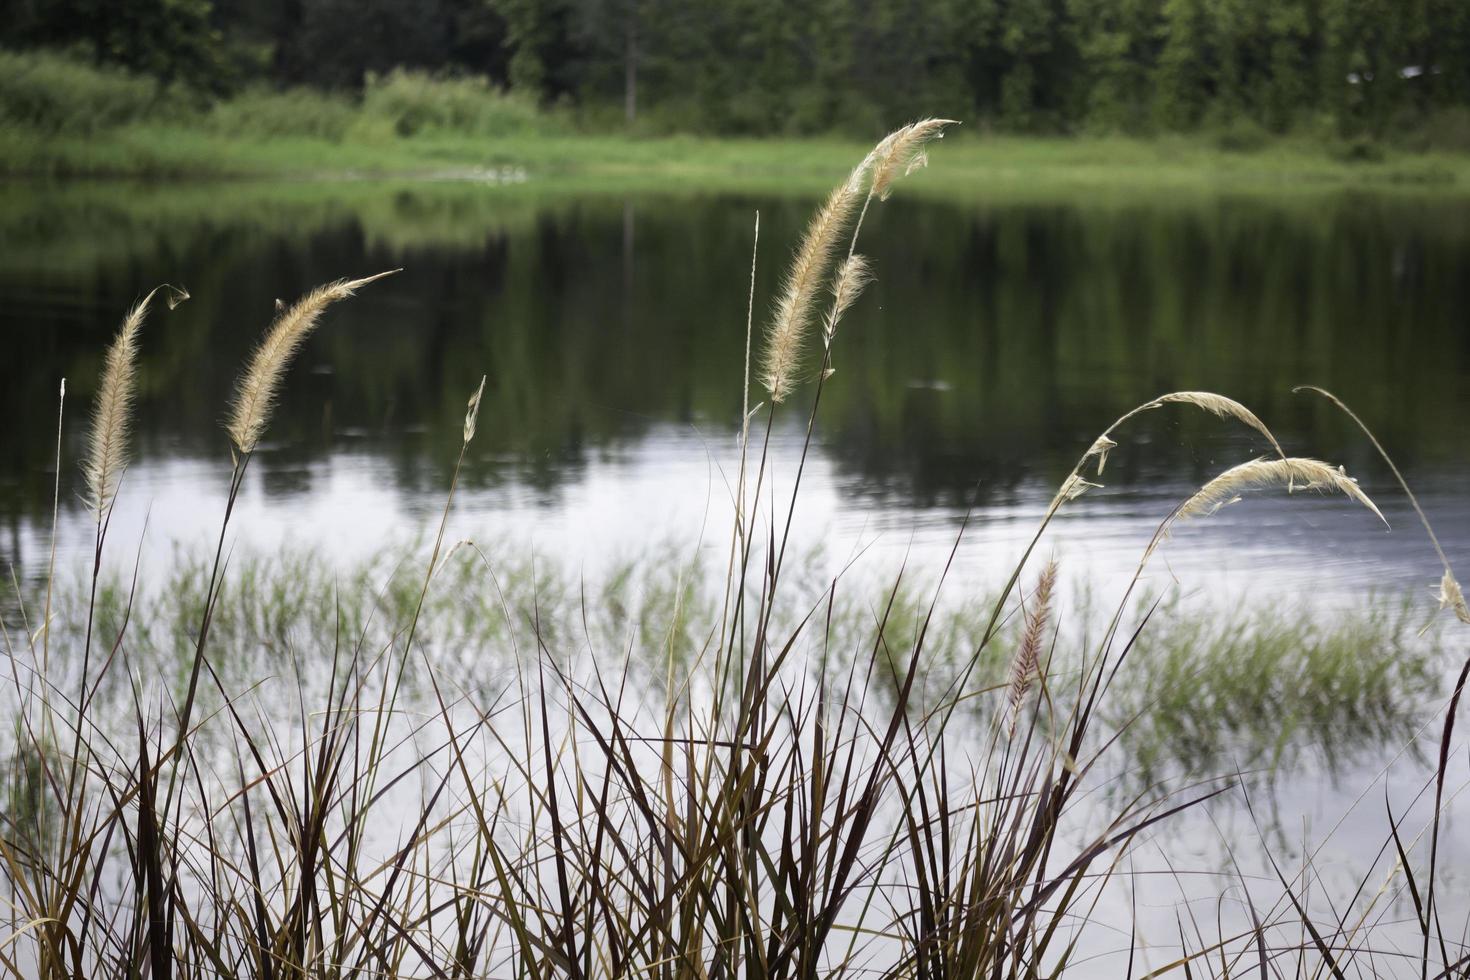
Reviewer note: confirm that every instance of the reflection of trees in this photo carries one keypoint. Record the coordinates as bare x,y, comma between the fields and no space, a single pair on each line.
994,342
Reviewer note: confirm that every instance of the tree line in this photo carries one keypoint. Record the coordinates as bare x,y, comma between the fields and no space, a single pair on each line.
859,66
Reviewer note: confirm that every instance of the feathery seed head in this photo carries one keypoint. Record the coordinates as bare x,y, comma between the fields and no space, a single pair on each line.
472,414
255,392
1226,408
785,336
107,453
1452,597
1027,663
852,278
1100,449
1291,471
902,152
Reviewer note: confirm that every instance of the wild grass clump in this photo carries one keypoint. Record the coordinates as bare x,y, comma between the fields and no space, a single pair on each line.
415,103
295,112
770,789
56,95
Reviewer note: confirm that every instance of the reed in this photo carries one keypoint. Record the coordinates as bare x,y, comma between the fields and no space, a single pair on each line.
1225,408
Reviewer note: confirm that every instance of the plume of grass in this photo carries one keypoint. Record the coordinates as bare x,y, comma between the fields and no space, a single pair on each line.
785,337
1100,448
852,278
1451,596
472,412
1292,471
255,393
903,152
1026,666
897,154
107,450
1226,408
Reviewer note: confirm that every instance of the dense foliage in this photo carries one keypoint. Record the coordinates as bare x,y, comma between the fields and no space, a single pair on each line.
737,66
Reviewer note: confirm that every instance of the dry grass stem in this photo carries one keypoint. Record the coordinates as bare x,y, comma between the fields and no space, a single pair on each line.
1291,472
107,451
1027,664
1072,487
255,393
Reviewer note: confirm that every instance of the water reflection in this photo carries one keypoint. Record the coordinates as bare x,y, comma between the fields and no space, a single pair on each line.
997,340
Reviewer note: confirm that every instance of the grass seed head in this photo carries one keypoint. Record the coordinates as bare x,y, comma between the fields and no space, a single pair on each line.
256,391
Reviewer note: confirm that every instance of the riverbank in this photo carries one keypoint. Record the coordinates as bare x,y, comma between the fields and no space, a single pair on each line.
995,163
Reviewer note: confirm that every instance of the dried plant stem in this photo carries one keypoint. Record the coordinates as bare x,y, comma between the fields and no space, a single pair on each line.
739,529
1450,594
51,562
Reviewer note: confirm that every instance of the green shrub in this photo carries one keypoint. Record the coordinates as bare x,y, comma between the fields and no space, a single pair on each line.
294,112
56,94
410,103
1447,129
1357,149
1241,135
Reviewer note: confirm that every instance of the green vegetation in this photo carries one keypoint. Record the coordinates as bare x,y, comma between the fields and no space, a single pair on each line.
1334,686
773,787
59,118
1244,67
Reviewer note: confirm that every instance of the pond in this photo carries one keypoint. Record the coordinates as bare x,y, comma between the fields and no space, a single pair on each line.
999,338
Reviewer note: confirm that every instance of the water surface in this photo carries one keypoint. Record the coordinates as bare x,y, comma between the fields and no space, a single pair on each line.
999,338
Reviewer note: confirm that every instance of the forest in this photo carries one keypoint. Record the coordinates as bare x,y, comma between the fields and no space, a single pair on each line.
1330,68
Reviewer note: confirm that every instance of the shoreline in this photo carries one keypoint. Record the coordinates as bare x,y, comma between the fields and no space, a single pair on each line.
999,165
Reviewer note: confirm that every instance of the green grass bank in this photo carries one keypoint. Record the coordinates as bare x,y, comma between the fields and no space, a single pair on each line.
59,119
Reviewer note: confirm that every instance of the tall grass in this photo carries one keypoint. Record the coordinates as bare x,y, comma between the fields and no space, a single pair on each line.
770,795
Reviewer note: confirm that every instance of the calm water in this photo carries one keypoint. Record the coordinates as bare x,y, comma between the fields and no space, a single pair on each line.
998,340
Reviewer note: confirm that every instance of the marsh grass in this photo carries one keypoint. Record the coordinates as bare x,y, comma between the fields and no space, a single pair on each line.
753,782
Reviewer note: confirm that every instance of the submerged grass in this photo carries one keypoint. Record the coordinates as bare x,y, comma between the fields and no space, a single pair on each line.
1263,684
757,781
